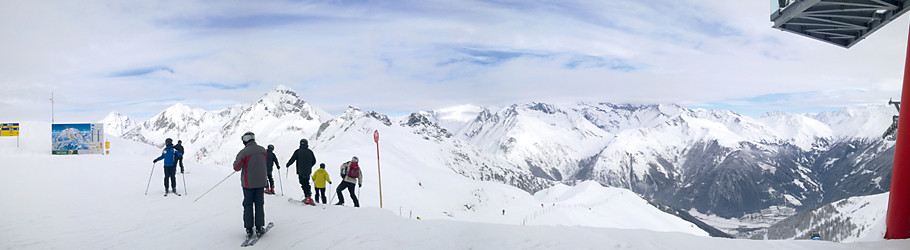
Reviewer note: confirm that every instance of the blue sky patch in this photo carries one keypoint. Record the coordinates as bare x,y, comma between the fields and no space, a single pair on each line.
142,71
485,57
224,86
581,62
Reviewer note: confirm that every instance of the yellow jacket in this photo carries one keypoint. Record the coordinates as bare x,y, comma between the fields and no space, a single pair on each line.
320,177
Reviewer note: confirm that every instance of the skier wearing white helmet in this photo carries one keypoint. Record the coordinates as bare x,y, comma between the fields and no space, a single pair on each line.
351,174
251,161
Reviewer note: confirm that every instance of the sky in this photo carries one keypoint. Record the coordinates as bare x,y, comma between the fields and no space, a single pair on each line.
398,57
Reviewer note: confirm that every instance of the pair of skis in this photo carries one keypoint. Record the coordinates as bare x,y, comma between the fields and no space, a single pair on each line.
250,241
292,200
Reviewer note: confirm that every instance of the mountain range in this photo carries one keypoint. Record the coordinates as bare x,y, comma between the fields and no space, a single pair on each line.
713,162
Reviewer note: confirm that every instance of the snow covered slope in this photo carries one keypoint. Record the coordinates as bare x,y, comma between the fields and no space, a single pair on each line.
713,161
848,220
97,202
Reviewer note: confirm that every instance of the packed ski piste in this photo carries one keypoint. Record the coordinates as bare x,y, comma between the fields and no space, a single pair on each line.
255,165
57,212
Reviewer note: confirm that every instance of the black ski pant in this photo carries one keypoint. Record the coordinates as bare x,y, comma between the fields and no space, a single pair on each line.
253,201
179,161
320,192
304,179
271,181
350,187
170,173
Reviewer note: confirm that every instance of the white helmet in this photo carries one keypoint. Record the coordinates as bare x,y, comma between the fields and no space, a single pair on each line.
355,159
247,137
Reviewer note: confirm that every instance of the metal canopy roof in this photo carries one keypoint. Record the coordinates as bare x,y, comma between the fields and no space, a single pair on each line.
839,22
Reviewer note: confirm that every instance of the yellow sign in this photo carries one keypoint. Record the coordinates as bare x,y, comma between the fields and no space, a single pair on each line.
9,129
107,145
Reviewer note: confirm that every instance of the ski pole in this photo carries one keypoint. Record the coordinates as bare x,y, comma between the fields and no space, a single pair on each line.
150,179
333,196
184,182
219,183
323,195
279,181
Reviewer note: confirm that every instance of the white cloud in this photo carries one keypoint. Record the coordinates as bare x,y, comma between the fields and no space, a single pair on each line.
405,56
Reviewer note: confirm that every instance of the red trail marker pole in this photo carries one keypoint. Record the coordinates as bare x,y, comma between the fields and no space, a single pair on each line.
378,170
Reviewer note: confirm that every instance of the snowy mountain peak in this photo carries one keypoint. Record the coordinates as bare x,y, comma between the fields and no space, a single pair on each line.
354,113
544,107
178,117
281,93
865,121
283,101
283,88
797,129
117,124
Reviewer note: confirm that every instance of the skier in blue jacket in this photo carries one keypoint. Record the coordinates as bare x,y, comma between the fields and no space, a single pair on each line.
170,168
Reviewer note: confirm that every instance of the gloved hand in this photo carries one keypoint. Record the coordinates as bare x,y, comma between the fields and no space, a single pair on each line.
154,161
360,185
330,182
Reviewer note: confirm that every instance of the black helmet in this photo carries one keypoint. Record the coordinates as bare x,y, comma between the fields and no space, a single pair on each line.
168,141
304,143
179,141
355,159
247,137
271,147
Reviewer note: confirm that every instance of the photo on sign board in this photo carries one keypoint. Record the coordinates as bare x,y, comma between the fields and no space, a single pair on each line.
81,138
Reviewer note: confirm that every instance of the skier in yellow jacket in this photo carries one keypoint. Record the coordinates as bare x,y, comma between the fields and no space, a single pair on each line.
319,179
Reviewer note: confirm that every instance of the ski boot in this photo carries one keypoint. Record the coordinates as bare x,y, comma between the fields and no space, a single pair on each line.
268,191
249,232
258,231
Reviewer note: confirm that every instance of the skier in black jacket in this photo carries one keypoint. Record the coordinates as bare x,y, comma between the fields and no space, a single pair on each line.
305,162
271,159
179,157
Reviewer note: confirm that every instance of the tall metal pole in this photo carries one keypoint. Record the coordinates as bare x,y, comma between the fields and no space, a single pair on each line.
898,220
52,107
378,170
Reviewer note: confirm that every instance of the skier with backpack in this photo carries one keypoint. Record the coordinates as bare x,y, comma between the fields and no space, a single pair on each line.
351,174
305,162
269,162
251,161
179,159
170,170
319,179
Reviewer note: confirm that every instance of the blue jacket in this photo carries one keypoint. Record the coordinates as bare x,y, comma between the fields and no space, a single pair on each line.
168,156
